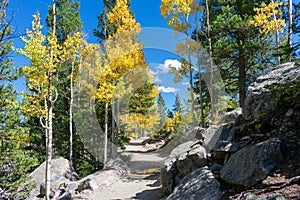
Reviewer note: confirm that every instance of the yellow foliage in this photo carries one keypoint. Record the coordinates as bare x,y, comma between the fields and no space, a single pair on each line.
178,12
266,18
123,52
46,56
123,18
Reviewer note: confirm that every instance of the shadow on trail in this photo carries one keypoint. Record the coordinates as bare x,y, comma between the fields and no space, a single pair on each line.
139,151
152,194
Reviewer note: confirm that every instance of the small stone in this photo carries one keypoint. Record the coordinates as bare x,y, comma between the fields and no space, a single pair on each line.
65,196
289,113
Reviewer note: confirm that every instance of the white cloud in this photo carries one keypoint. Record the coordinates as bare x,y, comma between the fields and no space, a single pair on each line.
155,76
165,68
185,83
167,89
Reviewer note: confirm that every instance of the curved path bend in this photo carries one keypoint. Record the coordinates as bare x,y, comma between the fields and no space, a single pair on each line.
137,185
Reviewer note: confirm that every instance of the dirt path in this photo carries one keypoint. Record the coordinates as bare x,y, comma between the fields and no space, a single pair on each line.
135,185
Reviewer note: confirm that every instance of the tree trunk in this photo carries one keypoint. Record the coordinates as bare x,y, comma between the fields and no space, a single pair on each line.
105,134
277,47
277,41
290,33
199,73
49,128
71,114
190,74
242,75
211,64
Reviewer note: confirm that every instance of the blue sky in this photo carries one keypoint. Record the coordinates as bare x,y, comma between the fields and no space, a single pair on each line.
147,13
159,41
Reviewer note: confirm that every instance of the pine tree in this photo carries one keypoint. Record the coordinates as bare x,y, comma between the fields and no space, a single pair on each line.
177,107
104,28
239,51
68,20
15,160
162,110
7,73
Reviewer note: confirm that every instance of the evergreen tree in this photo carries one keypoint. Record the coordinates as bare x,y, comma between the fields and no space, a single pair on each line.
15,160
161,109
239,51
177,107
104,28
68,20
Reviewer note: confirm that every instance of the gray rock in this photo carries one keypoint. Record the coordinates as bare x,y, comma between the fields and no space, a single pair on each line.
270,197
199,184
72,186
112,172
224,142
211,136
84,185
215,169
260,100
60,170
253,163
184,159
86,192
196,133
65,196
219,139
119,165
231,116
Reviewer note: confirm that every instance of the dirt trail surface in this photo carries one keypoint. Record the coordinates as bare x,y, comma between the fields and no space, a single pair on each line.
135,185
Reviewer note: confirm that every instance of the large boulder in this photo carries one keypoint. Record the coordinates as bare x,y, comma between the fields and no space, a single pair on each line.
260,100
199,184
184,159
113,170
186,135
253,163
197,133
61,172
220,138
231,116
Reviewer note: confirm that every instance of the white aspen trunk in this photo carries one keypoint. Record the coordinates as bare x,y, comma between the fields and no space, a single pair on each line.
71,114
277,40
113,131
50,113
277,47
105,134
290,34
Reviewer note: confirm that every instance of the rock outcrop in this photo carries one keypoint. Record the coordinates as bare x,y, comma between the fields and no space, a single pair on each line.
112,171
253,163
61,171
199,184
260,99
184,159
64,185
231,116
257,147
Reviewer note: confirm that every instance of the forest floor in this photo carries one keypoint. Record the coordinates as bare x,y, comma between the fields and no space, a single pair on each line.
143,181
